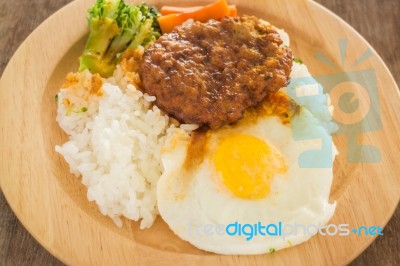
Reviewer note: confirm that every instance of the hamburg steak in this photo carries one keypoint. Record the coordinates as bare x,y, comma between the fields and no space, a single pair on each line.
210,73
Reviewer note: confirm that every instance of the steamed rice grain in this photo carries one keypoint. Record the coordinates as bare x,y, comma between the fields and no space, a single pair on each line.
115,147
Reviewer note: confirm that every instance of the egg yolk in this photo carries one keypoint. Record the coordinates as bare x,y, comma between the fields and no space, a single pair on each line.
246,165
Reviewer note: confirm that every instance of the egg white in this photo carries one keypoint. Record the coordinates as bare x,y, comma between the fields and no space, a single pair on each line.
190,200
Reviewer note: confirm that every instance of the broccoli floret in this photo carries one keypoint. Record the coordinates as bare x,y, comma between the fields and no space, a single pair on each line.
113,27
129,23
103,27
149,30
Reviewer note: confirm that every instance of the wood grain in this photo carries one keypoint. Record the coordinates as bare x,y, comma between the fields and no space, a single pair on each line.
17,247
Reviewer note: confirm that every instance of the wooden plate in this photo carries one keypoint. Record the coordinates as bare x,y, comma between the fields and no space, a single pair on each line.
52,204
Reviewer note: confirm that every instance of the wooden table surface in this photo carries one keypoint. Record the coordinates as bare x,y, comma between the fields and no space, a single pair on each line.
376,20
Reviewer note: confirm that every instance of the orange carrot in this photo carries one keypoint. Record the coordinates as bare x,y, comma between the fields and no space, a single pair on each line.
233,11
216,10
166,10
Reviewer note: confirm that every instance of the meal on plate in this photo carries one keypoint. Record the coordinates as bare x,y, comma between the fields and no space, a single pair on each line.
185,113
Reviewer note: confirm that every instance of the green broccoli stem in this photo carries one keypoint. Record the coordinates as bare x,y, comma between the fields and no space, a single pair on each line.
128,21
102,31
145,36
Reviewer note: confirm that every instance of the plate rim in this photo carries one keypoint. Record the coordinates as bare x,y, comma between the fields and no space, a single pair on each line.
46,22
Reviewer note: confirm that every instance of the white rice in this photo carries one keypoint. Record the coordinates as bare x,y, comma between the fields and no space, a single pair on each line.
115,147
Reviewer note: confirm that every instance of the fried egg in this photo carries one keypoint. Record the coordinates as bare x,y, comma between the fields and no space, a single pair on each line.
272,167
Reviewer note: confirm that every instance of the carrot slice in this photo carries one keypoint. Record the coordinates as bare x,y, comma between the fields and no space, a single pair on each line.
166,10
216,10
168,22
233,11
